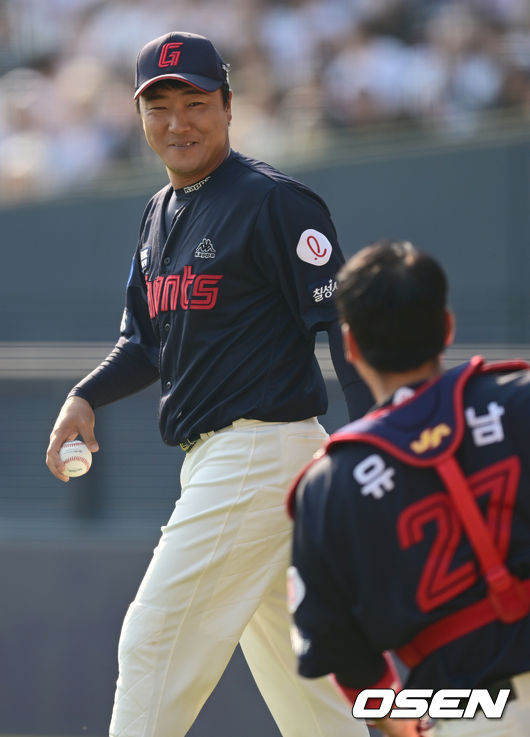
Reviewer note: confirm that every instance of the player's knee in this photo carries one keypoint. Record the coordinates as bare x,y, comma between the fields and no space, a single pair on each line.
142,632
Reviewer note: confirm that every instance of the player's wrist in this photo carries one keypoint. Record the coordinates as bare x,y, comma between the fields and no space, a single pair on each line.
77,395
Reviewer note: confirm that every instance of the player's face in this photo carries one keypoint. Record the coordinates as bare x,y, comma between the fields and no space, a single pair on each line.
188,129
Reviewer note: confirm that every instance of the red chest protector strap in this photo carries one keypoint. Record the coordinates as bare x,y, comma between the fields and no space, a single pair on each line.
504,590
508,598
390,429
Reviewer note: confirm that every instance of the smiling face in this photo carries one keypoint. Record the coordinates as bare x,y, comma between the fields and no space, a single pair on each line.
187,129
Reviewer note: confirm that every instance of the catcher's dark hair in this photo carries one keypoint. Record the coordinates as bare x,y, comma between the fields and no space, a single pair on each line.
176,84
394,297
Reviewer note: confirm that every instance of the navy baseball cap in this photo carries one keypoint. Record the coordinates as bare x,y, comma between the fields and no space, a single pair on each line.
182,56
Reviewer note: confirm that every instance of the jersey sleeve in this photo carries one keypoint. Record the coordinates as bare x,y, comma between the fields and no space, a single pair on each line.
133,363
136,326
296,248
358,396
327,638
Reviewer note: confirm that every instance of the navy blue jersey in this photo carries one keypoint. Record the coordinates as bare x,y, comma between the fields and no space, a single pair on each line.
379,552
224,307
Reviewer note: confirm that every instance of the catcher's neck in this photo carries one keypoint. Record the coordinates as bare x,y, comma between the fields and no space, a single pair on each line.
383,385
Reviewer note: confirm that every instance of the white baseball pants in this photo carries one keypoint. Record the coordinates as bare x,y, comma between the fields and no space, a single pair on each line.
515,721
217,577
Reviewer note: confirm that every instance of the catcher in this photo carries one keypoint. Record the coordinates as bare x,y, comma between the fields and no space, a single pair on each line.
412,528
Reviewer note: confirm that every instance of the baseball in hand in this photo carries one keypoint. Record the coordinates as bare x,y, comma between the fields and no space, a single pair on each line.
76,457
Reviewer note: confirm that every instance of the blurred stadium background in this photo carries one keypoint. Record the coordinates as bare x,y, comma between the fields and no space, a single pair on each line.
410,117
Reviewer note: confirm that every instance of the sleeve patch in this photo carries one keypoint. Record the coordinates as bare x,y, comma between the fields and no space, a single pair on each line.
125,322
145,258
314,248
295,589
322,291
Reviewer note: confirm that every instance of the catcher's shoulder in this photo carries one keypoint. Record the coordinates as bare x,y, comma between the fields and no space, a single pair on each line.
329,475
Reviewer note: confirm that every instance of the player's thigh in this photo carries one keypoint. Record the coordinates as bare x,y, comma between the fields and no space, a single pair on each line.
253,454
229,534
302,707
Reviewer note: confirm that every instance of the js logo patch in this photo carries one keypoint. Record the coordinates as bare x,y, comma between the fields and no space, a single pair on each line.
430,438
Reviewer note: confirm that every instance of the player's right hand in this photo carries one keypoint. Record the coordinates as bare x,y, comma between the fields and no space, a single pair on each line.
75,418
404,727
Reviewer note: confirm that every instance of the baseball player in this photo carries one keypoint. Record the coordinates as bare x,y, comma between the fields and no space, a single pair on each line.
233,275
412,529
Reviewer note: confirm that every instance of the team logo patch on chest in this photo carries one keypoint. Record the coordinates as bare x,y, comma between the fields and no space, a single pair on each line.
185,291
205,249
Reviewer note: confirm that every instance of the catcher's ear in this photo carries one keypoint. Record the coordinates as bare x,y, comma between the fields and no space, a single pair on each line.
450,325
351,349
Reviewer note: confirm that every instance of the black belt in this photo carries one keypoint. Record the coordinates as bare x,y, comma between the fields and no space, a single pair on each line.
188,443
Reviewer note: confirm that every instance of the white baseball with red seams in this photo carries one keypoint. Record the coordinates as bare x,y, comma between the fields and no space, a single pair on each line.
76,457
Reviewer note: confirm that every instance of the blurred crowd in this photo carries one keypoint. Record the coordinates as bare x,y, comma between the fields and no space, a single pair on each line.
302,71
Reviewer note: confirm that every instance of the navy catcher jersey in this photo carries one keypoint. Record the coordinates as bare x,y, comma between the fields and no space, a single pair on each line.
379,553
223,308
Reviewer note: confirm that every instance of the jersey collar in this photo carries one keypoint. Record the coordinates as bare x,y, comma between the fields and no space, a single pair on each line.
192,189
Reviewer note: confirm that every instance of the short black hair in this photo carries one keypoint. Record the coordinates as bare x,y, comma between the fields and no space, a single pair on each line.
177,84
393,297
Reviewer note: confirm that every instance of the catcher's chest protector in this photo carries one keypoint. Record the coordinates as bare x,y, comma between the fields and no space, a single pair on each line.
426,431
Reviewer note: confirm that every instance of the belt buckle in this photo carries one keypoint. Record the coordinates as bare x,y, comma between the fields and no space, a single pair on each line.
187,445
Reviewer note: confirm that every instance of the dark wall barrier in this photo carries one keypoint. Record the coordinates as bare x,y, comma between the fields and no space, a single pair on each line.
62,606
65,264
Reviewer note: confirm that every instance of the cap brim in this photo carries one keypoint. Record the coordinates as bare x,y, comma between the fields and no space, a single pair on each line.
205,84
